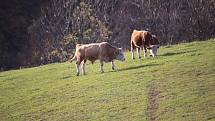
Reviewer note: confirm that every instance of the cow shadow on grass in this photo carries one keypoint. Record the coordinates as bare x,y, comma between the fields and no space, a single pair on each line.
3,76
118,70
134,67
66,77
177,53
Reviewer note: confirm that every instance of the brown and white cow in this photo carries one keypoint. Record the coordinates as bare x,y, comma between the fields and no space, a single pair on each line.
96,51
145,40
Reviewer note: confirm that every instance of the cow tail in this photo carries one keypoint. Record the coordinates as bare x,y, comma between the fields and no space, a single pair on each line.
74,58
132,45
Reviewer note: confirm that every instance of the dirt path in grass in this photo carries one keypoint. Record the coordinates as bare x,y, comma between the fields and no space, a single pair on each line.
152,104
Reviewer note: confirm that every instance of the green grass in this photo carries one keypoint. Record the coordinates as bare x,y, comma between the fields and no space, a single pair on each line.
179,85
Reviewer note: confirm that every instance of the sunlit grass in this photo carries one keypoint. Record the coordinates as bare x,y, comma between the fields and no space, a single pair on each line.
178,85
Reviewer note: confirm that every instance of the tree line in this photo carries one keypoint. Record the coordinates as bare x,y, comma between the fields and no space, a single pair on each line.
52,35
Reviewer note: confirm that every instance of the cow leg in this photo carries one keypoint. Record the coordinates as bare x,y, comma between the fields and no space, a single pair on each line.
132,54
83,67
138,52
78,63
145,51
77,68
102,64
113,66
132,50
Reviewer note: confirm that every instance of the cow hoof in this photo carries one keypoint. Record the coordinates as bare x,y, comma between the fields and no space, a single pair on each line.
77,74
113,68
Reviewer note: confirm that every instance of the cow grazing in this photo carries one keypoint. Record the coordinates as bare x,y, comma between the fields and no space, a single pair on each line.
96,51
144,40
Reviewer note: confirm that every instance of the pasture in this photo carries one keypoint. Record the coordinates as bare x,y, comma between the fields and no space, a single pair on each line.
179,85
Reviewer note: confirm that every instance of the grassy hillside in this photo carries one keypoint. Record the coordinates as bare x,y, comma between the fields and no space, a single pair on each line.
179,85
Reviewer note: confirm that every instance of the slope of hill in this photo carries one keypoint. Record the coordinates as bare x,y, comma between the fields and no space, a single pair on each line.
177,85
34,32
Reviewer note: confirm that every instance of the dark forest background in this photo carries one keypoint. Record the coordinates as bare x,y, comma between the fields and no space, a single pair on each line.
35,32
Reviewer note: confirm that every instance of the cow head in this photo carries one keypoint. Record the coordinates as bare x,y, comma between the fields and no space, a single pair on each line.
153,50
154,41
119,54
154,45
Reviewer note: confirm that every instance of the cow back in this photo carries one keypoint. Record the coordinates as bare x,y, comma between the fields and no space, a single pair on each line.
107,52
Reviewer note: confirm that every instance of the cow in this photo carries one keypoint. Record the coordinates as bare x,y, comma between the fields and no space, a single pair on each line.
144,40
103,51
